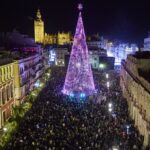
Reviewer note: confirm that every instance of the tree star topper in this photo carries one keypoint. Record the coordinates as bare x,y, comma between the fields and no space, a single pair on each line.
80,6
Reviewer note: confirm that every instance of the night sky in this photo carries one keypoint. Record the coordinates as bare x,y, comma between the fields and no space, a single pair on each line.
126,20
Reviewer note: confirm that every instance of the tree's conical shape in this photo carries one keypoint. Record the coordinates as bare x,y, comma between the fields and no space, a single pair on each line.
79,77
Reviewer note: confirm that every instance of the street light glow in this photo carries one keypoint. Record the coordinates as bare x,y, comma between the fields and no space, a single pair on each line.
115,148
128,126
110,109
107,75
101,66
5,129
108,84
110,105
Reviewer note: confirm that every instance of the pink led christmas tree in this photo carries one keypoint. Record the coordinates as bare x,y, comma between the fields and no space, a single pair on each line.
79,78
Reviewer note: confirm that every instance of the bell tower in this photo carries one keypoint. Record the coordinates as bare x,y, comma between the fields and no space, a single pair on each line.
38,28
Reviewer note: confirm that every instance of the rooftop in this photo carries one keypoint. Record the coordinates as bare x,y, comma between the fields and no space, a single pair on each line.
142,54
7,57
144,74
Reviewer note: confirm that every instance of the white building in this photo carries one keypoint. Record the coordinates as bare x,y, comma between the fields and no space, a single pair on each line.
147,43
120,51
60,56
135,84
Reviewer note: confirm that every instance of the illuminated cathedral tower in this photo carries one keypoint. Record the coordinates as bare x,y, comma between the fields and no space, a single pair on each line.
38,28
79,78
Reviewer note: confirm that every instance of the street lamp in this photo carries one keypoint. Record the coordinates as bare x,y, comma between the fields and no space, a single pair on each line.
108,84
115,148
101,66
127,129
110,105
5,129
110,109
107,75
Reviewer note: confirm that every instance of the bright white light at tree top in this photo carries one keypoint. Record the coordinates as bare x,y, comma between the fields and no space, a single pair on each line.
80,6
79,77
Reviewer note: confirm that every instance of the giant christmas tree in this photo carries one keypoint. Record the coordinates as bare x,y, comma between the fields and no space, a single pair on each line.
79,78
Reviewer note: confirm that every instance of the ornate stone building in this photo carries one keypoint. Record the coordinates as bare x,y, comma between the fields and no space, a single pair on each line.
7,99
135,83
18,78
40,36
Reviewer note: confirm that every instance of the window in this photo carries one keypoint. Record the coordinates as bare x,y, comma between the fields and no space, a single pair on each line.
6,73
3,96
4,117
0,97
11,91
8,95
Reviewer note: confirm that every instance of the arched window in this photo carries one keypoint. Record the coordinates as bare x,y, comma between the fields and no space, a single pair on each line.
8,93
6,73
11,91
3,96
3,75
11,70
6,96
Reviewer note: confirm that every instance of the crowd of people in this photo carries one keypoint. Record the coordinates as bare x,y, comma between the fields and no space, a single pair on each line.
56,122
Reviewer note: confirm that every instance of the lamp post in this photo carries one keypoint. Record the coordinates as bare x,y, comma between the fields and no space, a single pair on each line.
108,84
101,67
110,107
5,129
128,127
107,75
115,148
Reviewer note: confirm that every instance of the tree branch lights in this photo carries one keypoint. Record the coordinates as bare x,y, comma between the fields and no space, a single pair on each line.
79,77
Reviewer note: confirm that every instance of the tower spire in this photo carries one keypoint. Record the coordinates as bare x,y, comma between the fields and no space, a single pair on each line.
38,28
80,6
79,78
38,15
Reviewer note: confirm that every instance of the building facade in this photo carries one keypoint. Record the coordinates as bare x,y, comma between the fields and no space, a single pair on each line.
28,71
60,56
64,38
94,54
136,89
7,97
147,43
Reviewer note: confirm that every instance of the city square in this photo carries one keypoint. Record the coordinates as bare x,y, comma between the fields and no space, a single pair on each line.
74,90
